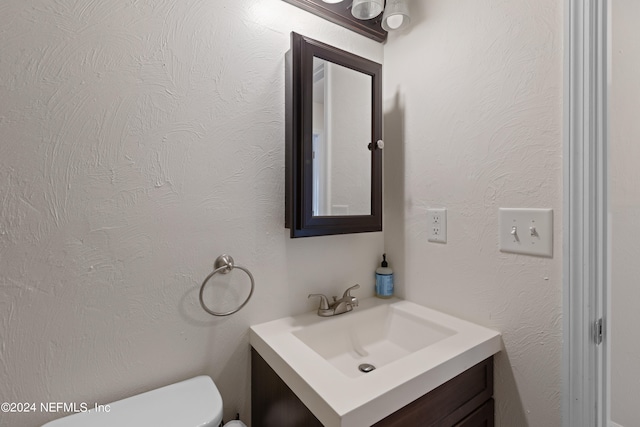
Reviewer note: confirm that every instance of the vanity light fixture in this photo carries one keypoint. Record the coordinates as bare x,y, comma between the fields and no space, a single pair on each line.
366,9
395,16
365,17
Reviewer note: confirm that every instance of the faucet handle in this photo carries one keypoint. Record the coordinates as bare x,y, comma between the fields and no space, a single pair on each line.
324,302
347,293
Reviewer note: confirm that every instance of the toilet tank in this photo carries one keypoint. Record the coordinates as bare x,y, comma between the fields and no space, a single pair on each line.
192,403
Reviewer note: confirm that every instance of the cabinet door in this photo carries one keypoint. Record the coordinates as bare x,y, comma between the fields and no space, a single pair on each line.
273,404
481,417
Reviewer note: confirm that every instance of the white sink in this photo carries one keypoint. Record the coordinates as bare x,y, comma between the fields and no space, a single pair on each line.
376,336
414,350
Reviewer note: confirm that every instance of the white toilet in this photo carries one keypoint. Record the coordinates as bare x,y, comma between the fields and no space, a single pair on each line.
192,403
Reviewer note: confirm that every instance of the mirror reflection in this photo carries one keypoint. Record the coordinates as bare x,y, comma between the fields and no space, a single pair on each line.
341,132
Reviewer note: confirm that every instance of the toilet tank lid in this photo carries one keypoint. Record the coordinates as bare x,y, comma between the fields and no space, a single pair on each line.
195,402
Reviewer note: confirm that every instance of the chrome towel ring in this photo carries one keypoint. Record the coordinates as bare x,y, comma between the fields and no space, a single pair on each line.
224,264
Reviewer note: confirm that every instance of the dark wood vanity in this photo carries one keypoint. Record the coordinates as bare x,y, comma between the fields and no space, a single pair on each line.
463,401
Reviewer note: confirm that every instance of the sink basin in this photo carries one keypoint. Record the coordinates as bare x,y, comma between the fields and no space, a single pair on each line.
377,336
414,350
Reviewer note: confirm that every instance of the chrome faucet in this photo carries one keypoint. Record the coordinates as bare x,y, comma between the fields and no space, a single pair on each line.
338,306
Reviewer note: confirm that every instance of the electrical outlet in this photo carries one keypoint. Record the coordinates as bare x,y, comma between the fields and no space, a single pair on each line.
437,225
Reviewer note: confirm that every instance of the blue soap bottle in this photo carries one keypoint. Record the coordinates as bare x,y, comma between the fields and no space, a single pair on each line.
384,279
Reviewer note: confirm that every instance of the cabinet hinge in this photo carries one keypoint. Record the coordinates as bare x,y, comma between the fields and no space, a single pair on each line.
598,331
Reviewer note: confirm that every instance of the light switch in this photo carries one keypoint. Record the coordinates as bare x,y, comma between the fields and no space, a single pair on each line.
526,231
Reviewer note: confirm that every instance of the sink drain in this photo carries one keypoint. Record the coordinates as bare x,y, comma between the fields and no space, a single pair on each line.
366,367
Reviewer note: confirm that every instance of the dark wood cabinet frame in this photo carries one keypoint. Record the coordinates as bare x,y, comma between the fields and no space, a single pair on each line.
340,13
299,216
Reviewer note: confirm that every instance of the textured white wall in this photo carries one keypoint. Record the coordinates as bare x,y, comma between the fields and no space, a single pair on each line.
140,140
473,117
625,213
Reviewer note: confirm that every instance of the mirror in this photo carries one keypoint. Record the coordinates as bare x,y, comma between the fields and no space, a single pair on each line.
334,123
341,131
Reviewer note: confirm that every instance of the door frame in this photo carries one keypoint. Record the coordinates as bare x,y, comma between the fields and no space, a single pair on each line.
585,234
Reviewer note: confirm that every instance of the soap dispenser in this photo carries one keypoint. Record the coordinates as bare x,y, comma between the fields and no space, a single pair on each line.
384,279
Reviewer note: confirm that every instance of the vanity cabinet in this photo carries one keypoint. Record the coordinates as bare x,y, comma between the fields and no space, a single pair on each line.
464,401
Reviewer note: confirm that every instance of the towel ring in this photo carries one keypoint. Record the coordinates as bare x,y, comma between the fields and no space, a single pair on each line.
224,264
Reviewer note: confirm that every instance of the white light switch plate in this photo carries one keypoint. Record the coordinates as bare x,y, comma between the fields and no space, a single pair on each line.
526,231
437,225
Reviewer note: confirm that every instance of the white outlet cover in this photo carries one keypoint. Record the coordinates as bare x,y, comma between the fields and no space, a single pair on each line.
526,231
437,225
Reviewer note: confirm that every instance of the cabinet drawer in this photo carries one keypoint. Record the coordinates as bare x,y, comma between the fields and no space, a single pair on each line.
481,417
